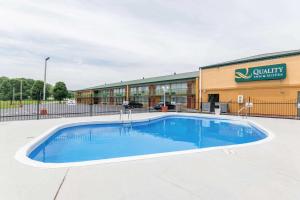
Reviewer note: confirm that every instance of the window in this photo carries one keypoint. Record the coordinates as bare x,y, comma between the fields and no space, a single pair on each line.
159,88
144,90
141,90
141,99
179,88
181,100
133,91
119,91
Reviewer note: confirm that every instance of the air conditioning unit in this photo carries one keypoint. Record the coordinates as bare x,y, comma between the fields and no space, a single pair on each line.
240,99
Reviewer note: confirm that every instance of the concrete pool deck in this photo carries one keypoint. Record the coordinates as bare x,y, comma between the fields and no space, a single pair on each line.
269,170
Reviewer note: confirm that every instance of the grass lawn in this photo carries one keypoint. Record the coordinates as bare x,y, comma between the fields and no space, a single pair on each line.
17,104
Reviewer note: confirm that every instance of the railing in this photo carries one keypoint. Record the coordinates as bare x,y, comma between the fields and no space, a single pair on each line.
93,106
134,94
183,91
84,106
263,108
36,109
241,110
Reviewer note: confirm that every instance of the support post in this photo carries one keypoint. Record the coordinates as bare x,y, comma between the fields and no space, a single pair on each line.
38,108
200,89
91,105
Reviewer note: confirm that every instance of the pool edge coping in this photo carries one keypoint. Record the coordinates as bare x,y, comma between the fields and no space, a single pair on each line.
22,153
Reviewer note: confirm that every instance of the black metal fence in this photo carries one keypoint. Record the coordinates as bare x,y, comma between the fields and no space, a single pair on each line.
36,109
289,109
89,106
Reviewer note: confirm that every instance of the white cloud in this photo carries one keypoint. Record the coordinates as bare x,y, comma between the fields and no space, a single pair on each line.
92,42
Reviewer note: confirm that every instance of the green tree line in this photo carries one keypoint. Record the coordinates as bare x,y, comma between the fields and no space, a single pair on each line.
10,89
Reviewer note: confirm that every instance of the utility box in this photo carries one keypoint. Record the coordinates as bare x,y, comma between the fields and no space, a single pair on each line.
224,107
206,107
240,99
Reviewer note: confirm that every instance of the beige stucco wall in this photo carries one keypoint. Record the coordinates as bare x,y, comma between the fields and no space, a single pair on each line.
221,80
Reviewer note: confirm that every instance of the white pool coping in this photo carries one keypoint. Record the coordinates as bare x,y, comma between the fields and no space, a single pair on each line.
21,154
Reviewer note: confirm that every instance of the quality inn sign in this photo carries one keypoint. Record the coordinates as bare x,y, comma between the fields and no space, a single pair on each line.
269,72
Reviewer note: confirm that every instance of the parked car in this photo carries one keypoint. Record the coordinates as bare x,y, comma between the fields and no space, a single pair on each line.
133,104
71,102
161,104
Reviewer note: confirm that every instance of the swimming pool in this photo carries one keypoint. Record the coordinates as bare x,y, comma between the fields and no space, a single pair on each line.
173,133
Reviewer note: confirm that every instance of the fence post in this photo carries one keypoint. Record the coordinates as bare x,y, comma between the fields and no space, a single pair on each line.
38,109
249,109
91,105
149,104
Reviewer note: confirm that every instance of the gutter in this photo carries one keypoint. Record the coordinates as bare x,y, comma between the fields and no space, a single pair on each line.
224,64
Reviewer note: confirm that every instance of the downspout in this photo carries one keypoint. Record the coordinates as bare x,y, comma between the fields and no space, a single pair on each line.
200,88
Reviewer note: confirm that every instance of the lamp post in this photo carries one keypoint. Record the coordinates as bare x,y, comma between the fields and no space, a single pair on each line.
13,94
165,88
45,76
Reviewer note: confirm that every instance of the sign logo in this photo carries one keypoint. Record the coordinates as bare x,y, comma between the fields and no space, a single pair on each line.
261,73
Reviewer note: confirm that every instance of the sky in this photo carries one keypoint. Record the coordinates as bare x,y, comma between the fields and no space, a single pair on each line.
102,41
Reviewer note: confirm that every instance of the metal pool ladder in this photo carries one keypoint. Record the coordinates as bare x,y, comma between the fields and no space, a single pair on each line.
121,115
129,116
240,110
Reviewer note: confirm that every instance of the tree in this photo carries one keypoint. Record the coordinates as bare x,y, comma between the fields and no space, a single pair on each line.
30,88
71,94
60,91
38,89
15,85
27,86
6,90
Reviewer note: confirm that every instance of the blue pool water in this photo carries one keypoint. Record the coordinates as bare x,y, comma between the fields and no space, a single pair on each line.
167,134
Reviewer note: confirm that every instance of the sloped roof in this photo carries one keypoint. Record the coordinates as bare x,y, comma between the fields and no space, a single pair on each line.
256,58
172,77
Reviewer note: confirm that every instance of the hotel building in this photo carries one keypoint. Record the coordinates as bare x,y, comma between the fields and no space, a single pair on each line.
270,82
180,88
267,84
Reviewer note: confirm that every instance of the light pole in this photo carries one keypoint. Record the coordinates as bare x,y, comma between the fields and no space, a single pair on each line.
13,94
45,76
164,89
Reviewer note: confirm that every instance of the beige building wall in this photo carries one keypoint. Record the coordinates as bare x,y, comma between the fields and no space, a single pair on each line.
271,97
221,80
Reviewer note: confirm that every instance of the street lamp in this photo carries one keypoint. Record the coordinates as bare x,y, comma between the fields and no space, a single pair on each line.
165,88
45,76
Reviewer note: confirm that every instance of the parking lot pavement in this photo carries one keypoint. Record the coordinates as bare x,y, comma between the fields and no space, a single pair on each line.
56,110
